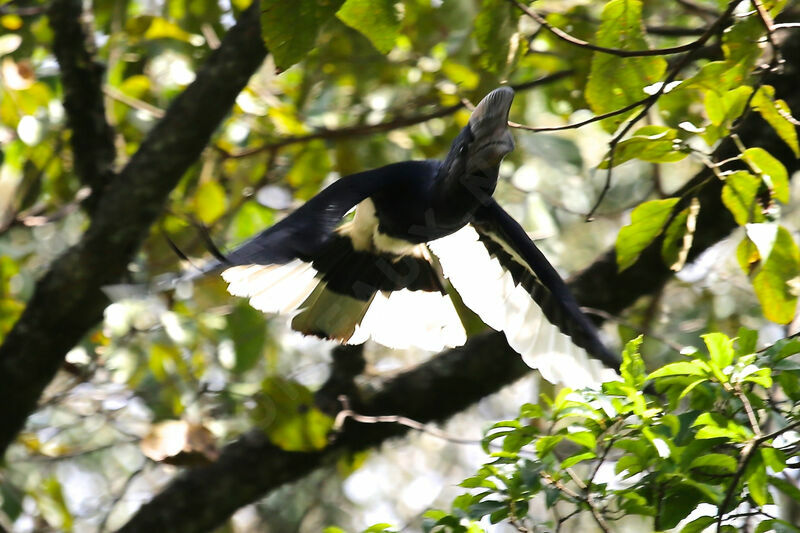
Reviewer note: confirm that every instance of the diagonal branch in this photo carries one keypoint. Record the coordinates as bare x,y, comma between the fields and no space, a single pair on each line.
620,52
68,300
360,130
82,77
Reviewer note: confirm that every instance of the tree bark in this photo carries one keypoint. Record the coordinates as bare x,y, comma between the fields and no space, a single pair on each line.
82,78
68,300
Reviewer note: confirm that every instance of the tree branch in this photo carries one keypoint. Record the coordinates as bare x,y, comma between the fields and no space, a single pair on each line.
201,499
82,77
620,52
360,130
68,300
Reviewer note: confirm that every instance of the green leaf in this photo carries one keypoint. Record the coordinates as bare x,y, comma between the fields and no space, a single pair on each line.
545,445
377,20
776,525
615,82
583,438
494,27
249,220
723,108
698,525
773,283
777,114
161,28
478,481
770,170
716,76
210,202
720,348
655,144
52,487
714,460
577,458
746,341
290,29
760,376
773,458
679,236
466,78
11,497
740,42
481,509
747,255
715,425
756,473
678,501
632,368
681,368
740,196
647,221
247,329
289,417
379,528
309,170
785,487
694,383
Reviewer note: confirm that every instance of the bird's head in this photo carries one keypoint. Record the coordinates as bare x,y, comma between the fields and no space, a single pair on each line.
475,155
491,139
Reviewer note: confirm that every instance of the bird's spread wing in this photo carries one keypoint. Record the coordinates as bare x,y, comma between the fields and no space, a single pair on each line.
301,234
501,275
334,283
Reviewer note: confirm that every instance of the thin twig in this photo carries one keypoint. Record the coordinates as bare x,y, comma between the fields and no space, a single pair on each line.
747,453
576,125
118,497
347,413
748,408
564,36
766,19
673,73
358,130
119,96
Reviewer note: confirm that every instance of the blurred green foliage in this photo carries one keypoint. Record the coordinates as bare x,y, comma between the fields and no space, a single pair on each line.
377,71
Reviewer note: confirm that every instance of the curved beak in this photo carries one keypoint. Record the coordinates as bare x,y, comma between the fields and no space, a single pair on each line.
489,125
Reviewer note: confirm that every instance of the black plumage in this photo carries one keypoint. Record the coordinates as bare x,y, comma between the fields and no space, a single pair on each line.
331,275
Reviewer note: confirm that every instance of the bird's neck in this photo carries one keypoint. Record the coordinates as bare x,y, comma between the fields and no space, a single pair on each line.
457,196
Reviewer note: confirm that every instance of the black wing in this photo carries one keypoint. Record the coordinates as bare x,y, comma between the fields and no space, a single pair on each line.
301,234
497,270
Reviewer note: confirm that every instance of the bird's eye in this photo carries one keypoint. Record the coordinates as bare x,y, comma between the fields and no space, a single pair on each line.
462,150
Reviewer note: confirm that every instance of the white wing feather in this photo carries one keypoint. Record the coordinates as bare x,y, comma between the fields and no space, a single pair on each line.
489,290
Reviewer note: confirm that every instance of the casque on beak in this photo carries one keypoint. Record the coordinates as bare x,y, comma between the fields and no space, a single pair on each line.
489,126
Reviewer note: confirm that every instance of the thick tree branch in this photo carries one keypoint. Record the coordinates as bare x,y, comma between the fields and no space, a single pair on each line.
203,498
82,79
200,499
68,300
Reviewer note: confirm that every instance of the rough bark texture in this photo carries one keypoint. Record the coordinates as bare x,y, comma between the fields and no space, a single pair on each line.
68,301
82,79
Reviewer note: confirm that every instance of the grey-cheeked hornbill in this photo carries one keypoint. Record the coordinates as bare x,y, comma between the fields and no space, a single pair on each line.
417,226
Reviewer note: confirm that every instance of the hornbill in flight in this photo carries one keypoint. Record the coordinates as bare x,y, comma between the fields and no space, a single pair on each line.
420,230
